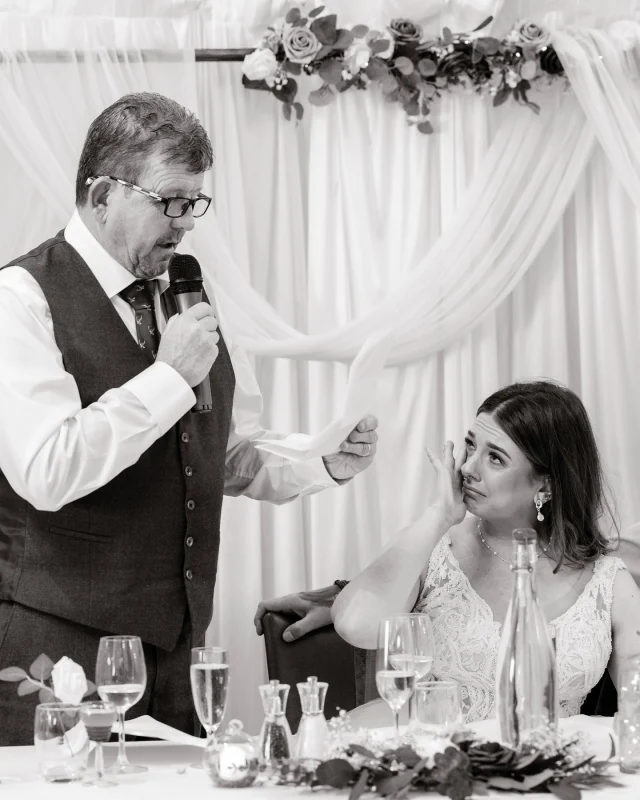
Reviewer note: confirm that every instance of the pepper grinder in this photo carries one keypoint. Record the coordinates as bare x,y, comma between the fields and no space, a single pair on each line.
275,735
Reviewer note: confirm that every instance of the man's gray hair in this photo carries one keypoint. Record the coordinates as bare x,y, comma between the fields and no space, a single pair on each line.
121,139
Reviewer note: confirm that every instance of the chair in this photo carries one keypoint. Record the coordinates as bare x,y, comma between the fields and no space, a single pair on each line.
321,653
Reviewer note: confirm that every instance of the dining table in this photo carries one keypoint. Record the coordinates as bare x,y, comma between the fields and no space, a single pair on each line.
171,774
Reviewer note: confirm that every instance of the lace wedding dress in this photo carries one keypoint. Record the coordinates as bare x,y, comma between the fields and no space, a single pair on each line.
467,636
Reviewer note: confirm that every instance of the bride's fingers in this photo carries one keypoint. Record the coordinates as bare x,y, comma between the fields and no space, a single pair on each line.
460,458
448,458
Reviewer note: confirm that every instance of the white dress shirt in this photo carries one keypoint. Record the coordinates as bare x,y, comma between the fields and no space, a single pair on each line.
53,451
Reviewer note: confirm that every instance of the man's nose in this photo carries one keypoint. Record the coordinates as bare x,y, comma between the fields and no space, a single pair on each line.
184,223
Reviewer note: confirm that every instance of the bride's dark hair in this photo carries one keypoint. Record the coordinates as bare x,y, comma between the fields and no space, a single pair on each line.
549,423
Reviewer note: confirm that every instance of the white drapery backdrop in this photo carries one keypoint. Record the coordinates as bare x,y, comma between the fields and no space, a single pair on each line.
505,245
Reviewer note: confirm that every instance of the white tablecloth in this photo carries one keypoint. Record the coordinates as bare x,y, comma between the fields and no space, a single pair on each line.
170,776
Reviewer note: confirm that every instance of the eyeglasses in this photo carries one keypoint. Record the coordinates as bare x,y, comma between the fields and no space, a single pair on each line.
174,207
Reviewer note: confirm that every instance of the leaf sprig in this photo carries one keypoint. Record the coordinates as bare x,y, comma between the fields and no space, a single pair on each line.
38,679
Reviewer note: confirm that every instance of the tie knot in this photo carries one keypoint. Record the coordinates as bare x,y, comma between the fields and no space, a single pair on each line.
139,294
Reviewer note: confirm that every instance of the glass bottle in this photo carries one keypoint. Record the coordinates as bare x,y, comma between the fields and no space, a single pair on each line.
313,731
275,735
628,717
526,682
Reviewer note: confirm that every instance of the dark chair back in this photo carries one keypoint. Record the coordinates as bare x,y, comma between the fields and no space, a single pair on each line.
321,653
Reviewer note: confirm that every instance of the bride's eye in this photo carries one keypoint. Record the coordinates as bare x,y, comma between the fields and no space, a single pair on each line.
497,458
469,444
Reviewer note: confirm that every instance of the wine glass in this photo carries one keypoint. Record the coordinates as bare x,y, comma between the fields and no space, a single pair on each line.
98,719
424,649
395,672
121,677
209,685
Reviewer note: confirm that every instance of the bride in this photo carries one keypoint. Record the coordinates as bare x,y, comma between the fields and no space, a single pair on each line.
530,460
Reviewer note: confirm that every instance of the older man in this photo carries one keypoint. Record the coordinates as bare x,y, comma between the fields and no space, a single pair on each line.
110,488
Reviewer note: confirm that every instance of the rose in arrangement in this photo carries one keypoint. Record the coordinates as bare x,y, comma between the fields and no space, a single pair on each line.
403,30
300,44
529,33
260,65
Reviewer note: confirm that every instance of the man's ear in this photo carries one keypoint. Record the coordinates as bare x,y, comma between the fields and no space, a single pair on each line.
98,199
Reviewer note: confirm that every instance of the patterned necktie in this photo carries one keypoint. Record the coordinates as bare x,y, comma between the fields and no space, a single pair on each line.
140,296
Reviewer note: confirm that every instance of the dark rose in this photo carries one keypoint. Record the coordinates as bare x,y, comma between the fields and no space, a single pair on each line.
550,62
491,757
403,30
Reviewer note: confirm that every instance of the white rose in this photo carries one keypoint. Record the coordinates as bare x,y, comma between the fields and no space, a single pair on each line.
69,682
357,56
260,65
625,33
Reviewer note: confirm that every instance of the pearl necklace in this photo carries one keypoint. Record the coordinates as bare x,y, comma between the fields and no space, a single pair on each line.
488,546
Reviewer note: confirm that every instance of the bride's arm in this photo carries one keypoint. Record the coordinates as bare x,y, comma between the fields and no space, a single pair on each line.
390,584
625,623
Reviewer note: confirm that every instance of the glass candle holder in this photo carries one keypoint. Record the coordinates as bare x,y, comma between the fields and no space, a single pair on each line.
61,741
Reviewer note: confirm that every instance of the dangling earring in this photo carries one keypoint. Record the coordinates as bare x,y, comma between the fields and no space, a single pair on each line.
538,507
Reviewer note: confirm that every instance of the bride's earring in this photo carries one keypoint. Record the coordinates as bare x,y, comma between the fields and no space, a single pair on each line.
538,507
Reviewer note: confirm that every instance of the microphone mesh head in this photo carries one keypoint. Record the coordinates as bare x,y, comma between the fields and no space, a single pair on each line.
185,274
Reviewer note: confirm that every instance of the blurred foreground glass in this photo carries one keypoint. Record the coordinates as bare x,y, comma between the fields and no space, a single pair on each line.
209,687
424,649
98,719
62,743
395,671
437,708
627,722
121,678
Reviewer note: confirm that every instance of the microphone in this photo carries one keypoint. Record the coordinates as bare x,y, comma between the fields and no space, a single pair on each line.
185,278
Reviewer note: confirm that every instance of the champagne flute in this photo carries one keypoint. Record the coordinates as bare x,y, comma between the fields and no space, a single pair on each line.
421,660
121,677
209,686
98,719
395,673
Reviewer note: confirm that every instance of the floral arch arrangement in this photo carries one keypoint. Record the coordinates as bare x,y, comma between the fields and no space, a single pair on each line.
407,68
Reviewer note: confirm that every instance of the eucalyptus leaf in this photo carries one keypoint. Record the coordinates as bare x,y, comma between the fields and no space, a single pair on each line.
13,674
447,36
27,687
300,23
425,127
361,751
293,15
531,781
330,70
499,782
254,84
299,109
565,790
360,785
287,92
407,755
481,25
487,45
427,67
316,11
388,84
292,67
380,45
336,772
286,111
42,667
389,786
501,96
325,29
404,65
344,39
376,69
46,696
322,96
360,31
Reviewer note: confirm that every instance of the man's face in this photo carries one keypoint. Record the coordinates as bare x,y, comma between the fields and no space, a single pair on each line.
136,230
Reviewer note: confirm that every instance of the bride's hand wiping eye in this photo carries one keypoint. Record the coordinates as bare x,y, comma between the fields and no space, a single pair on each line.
450,499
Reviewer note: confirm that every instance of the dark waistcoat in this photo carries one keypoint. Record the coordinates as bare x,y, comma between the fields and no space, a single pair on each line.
133,556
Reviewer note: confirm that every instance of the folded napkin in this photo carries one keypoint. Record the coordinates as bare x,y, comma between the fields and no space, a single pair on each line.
150,727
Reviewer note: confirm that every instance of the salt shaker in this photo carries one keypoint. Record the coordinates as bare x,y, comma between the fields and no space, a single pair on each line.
313,732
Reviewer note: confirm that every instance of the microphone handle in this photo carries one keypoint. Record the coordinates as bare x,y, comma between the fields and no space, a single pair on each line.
185,300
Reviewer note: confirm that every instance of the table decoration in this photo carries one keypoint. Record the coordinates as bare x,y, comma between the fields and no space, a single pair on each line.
231,759
64,681
556,763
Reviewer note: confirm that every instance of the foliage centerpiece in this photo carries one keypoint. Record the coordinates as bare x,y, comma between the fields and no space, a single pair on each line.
464,765
407,67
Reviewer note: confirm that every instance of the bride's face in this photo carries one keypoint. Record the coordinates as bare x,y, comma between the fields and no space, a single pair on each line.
499,482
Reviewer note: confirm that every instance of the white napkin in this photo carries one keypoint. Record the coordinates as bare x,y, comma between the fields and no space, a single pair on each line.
364,375
148,726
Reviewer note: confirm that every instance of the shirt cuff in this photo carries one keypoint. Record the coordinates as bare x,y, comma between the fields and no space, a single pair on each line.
164,393
320,473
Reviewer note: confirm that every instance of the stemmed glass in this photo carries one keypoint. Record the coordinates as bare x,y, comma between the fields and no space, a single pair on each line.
98,719
209,686
424,649
121,677
395,671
